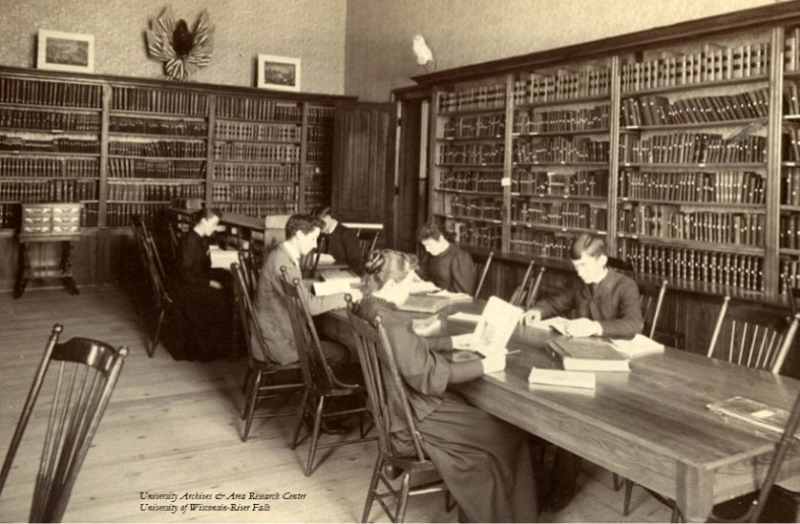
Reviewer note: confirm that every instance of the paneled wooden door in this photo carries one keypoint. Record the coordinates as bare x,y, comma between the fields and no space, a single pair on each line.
363,186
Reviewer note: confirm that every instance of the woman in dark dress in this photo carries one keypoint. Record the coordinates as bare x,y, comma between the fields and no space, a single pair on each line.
445,264
202,295
484,461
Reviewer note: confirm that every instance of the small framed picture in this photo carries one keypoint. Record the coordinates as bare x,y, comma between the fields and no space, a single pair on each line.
278,72
65,51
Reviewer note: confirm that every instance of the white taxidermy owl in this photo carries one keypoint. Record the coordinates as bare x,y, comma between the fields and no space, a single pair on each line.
423,52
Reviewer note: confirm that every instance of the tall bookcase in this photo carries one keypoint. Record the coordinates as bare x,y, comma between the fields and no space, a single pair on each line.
679,144
124,146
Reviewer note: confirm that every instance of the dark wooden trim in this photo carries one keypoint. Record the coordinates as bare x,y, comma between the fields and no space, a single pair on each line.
760,17
403,94
183,86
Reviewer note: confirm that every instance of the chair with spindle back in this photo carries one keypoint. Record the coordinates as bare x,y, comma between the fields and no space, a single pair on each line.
323,388
368,240
652,300
83,377
161,299
309,263
378,365
483,270
528,290
263,380
249,270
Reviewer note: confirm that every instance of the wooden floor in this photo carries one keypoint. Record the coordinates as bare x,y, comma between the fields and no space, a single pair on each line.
173,427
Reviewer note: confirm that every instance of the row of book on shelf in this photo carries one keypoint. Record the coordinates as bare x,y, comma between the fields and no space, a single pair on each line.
558,149
485,96
262,109
525,240
231,130
225,192
475,207
548,183
470,154
143,168
49,120
256,172
560,214
714,62
49,145
260,210
697,265
481,126
159,101
789,274
49,93
57,190
159,148
488,236
23,166
692,148
669,221
154,192
472,180
655,110
589,80
158,126
531,121
254,152
722,187
789,231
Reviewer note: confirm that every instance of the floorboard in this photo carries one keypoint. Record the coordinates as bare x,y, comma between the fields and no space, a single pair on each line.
173,427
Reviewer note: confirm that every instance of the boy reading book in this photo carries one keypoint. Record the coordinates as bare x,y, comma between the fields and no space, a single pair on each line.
606,304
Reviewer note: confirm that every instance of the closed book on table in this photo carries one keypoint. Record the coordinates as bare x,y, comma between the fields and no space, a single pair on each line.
423,304
562,377
753,412
588,354
638,346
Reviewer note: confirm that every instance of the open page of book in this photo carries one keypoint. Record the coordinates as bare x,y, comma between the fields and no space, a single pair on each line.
562,377
498,322
332,287
638,346
339,274
222,258
422,286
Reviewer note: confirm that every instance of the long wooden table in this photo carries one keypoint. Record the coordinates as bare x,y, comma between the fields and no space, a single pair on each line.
650,425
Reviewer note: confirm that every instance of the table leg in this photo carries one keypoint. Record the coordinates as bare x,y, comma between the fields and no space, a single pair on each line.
22,265
695,493
66,267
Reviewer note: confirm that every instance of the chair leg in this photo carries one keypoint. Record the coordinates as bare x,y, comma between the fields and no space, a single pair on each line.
402,499
626,508
312,450
300,416
250,403
676,513
246,379
152,349
373,485
618,482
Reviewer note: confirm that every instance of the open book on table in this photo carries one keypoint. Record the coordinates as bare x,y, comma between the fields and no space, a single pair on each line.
339,274
495,327
753,412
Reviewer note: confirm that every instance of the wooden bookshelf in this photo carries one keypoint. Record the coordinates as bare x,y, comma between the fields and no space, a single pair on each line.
672,142
124,146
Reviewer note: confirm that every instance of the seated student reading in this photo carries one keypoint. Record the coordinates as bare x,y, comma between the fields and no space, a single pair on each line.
484,462
271,304
342,242
446,264
202,294
606,303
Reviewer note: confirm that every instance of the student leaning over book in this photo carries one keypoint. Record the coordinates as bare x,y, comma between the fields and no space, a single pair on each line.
606,303
484,461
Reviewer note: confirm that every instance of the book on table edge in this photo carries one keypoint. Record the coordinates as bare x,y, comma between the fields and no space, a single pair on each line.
562,377
588,354
639,346
752,412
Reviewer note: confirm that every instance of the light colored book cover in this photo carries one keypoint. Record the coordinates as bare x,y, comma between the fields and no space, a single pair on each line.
562,377
638,346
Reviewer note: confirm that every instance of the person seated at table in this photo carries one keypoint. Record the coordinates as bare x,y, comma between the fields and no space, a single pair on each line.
341,241
202,294
445,264
606,304
271,303
484,462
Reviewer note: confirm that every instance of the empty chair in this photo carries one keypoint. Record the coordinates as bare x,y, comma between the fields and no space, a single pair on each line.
652,299
263,380
83,375
528,290
482,272
161,299
371,341
326,396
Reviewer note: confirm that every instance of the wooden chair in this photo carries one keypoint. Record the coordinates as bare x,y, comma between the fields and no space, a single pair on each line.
383,379
263,380
158,292
368,240
483,271
249,270
321,383
87,371
756,340
793,295
309,263
528,291
652,298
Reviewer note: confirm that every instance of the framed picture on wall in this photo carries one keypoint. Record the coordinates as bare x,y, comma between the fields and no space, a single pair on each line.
278,72
65,51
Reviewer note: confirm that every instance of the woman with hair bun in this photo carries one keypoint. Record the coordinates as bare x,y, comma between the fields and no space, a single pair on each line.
484,461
